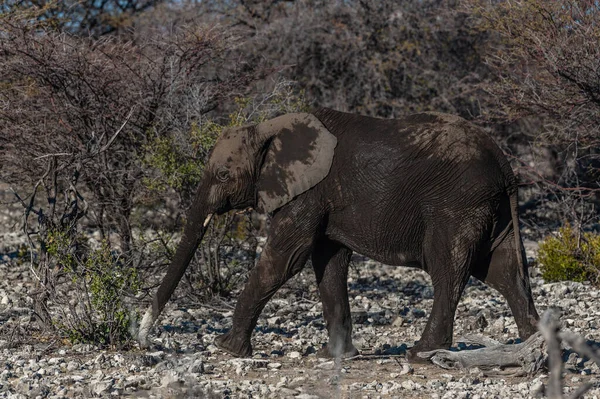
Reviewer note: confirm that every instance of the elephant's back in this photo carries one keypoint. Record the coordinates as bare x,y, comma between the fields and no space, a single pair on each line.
436,139
429,133
422,155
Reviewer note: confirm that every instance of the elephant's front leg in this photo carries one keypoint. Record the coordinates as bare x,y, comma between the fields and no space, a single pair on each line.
330,261
284,255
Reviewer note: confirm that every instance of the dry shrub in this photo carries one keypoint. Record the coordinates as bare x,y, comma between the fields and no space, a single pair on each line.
547,64
77,115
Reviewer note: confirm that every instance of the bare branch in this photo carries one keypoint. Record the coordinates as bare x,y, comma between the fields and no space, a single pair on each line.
114,136
59,154
549,328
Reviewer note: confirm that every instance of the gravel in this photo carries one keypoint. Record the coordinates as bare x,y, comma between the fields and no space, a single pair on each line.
390,306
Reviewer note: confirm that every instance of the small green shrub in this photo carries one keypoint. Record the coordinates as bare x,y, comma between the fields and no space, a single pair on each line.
109,280
176,169
91,287
571,255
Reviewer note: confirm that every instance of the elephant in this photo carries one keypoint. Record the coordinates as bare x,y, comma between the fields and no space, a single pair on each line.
428,190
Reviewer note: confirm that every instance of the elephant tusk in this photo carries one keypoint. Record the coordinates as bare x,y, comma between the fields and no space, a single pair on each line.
207,220
244,211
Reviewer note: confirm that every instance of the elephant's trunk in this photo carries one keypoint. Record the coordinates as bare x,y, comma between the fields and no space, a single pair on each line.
192,236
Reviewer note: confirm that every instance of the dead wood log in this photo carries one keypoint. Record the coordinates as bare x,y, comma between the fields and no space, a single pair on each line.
528,356
541,350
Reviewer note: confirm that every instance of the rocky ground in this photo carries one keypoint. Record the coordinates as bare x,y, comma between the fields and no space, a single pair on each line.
390,307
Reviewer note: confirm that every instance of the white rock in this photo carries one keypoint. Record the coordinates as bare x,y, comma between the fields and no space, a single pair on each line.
274,366
329,365
72,365
101,387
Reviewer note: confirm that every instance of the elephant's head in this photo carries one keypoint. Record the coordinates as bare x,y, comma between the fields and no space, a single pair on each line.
262,166
265,166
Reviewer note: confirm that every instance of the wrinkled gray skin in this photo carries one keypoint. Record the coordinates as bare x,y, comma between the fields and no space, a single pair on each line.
429,190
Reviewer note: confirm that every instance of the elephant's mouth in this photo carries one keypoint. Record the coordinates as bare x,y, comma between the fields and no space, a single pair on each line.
228,205
224,208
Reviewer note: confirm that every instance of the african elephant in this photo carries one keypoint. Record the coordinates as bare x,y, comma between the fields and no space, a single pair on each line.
429,190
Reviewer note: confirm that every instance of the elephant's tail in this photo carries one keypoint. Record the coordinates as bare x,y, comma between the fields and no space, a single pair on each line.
521,258
511,186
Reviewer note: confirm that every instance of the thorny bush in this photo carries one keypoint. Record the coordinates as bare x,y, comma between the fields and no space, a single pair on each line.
547,62
77,119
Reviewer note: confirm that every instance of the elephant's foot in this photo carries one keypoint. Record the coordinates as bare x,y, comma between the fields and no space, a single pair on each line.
234,344
412,357
528,327
412,353
346,352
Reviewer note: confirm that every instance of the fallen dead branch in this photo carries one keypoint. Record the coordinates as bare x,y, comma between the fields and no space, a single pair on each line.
542,350
528,356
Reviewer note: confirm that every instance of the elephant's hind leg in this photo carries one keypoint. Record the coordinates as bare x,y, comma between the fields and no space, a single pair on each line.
449,256
330,261
508,276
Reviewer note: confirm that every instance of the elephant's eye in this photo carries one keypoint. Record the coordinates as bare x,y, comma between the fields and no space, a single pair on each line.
223,174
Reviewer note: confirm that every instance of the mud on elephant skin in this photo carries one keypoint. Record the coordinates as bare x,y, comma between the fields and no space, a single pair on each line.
429,190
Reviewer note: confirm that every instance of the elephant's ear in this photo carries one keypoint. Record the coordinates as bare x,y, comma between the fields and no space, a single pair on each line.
299,155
